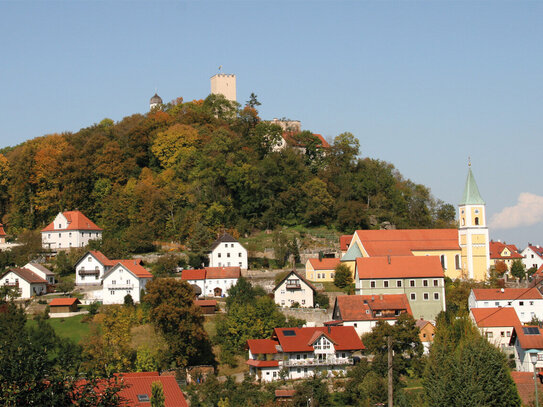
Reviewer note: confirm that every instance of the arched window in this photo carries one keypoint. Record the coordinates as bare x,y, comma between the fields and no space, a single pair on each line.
457,262
476,220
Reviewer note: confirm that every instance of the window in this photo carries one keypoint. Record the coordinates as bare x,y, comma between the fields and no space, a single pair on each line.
411,283
476,221
385,284
436,296
232,245
489,335
226,245
303,302
240,263
89,259
49,235
508,334
127,281
497,303
227,254
305,369
413,296
531,303
282,302
60,235
476,211
318,275
425,283
298,356
457,262
299,370
443,261
282,291
426,296
113,281
218,255
486,303
355,325
502,334
332,275
112,292
70,234
521,303
239,254
436,283
398,283
59,226
372,284
274,374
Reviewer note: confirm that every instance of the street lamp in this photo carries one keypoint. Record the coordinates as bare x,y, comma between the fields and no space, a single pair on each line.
533,358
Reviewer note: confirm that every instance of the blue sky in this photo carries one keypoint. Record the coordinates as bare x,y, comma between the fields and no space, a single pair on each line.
423,85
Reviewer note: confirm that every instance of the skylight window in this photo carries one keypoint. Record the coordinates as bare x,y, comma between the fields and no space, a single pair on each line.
530,330
143,398
289,333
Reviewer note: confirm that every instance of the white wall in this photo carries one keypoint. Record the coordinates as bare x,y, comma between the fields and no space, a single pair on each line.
120,282
530,258
64,239
229,254
285,297
223,283
89,262
27,290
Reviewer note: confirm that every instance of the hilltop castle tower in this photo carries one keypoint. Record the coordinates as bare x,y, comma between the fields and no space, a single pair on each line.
155,101
473,231
224,84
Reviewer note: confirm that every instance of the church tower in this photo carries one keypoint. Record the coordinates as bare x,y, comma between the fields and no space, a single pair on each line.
473,232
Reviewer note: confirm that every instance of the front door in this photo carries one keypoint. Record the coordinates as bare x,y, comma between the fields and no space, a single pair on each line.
217,292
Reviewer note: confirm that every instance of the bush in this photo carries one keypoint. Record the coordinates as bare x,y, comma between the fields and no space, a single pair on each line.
321,300
93,308
128,300
295,304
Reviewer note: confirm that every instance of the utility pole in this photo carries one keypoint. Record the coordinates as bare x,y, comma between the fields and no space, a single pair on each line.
390,389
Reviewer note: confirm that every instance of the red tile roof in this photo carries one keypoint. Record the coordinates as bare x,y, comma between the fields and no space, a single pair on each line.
140,383
399,267
345,337
527,341
135,267
262,346
403,242
26,275
76,221
101,257
344,242
497,248
199,274
526,387
537,250
363,307
57,302
324,264
285,393
206,303
2,232
222,272
263,363
490,294
495,317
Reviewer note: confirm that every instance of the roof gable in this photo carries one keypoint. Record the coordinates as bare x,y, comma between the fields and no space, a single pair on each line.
353,252
399,267
26,275
75,220
297,275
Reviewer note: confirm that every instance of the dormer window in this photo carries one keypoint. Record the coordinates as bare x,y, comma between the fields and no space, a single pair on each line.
59,226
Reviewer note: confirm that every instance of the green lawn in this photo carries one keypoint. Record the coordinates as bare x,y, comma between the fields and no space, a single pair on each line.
330,287
71,328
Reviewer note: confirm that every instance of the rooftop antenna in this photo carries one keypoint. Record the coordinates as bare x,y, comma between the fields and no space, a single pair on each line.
469,161
220,68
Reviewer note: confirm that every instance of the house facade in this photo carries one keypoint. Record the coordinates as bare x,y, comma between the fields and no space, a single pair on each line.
25,281
126,277
525,340
213,281
294,289
532,256
321,270
527,303
421,279
41,271
302,352
426,333
506,253
228,252
69,229
363,312
496,324
90,268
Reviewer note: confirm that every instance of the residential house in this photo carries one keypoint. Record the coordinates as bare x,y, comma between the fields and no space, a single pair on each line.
91,267
532,256
213,281
421,279
496,324
502,252
69,229
226,251
61,305
363,312
321,270
302,352
126,277
294,289
527,339
528,303
28,283
426,333
41,271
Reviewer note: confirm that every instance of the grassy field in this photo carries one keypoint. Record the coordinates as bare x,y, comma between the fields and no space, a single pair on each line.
71,328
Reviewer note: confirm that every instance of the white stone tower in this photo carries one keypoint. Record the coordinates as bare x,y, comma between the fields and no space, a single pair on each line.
224,84
473,231
155,101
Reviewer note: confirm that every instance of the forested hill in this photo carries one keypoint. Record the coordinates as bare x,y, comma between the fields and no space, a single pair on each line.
185,171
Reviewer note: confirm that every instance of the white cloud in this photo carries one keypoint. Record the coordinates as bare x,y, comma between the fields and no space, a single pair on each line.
527,212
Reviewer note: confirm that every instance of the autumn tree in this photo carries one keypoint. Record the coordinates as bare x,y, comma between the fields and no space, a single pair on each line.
179,320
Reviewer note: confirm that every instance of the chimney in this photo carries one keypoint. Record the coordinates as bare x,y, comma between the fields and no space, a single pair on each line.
502,290
381,297
329,329
388,259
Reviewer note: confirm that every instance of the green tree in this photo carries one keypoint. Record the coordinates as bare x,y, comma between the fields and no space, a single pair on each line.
312,391
243,292
157,395
343,277
518,270
63,266
465,369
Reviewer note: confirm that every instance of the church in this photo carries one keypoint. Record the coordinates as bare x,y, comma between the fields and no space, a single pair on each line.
463,252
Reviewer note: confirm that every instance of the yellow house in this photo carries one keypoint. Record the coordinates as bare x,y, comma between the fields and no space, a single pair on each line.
504,252
321,270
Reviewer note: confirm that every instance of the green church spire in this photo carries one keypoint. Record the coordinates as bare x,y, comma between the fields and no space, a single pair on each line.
471,192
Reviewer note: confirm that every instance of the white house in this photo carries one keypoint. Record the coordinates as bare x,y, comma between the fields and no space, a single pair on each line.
302,352
90,268
41,271
195,277
226,251
213,281
126,277
525,339
496,324
69,229
528,303
362,312
293,288
532,256
28,283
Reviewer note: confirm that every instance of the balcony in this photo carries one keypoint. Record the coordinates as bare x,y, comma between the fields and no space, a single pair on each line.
84,272
318,362
120,286
293,285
